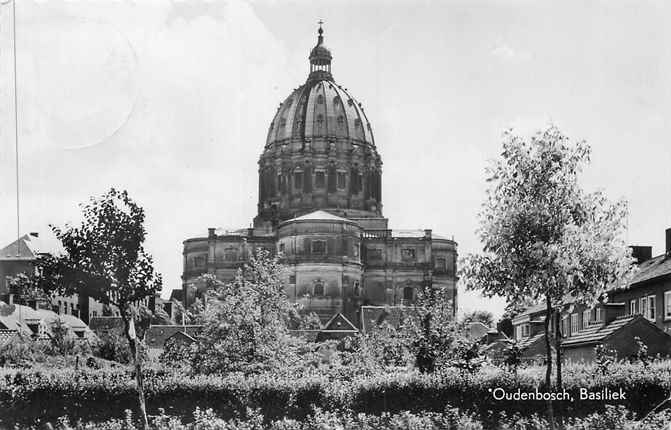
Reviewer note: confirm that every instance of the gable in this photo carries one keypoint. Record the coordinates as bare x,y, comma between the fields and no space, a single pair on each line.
339,322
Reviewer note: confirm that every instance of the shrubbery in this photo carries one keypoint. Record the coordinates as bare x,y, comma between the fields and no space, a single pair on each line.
97,395
613,418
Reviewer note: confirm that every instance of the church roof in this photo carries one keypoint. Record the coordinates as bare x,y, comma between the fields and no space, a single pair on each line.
320,215
320,108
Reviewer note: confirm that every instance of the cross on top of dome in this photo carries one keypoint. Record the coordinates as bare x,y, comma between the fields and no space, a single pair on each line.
320,58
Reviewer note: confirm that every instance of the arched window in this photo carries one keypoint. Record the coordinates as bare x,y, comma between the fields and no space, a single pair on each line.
318,289
407,293
320,99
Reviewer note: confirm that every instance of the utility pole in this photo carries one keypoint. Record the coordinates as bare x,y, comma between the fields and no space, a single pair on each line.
16,125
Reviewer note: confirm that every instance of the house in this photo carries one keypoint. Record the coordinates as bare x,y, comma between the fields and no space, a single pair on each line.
157,335
641,308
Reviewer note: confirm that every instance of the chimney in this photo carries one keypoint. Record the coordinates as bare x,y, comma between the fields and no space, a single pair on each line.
668,242
641,253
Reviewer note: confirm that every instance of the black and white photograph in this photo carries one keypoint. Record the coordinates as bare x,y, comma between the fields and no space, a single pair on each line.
335,214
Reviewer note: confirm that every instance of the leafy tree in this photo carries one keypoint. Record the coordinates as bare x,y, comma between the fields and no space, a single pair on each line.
105,259
485,317
505,325
431,327
246,321
544,237
512,356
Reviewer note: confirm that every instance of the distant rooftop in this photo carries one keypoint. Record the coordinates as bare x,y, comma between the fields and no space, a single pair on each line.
31,246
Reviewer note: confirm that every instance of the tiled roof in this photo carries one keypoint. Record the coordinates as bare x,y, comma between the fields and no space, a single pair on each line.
102,323
651,269
177,295
531,340
7,335
157,335
372,316
30,247
599,333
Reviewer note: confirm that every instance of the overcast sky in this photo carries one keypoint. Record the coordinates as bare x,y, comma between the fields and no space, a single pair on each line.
172,101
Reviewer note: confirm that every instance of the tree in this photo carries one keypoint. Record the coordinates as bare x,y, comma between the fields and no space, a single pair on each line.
485,317
431,327
105,259
543,237
246,321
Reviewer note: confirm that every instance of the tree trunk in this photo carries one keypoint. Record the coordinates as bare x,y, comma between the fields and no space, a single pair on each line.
558,339
548,351
138,371
548,357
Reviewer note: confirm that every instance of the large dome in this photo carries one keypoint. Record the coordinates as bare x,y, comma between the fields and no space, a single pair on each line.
320,108
320,152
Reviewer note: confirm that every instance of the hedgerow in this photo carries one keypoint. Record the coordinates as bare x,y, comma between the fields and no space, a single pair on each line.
34,396
614,418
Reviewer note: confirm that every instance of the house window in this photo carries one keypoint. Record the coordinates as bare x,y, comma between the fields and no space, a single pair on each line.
292,279
407,293
643,306
574,323
651,314
282,247
632,307
585,319
342,182
319,247
525,330
565,327
599,315
199,261
318,289
319,179
667,305
441,264
408,254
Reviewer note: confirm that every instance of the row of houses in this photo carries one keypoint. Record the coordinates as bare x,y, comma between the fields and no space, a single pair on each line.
640,309
19,257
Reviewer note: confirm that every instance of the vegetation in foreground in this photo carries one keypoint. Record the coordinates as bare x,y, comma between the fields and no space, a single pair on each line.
451,419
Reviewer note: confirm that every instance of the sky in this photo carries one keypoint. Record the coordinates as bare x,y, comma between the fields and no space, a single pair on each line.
171,100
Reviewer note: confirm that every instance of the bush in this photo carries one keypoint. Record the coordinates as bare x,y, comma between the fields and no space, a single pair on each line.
449,419
29,396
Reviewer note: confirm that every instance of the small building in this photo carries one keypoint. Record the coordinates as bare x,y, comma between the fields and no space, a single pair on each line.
641,308
157,335
616,336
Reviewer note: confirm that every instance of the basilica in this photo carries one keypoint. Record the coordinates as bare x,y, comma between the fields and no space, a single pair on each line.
320,208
